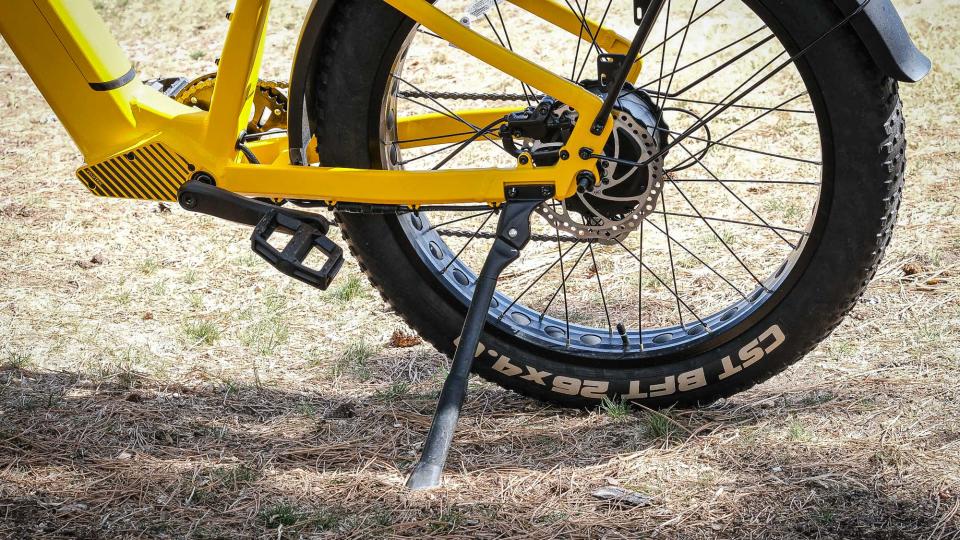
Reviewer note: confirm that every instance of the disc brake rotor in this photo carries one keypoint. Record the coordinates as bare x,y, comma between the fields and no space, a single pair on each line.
619,203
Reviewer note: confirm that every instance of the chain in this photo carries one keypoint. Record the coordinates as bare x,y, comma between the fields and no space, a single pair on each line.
492,236
469,96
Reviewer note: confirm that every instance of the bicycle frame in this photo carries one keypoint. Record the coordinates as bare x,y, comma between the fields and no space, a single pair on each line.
88,81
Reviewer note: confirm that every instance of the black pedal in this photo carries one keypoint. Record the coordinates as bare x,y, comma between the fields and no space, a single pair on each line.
305,238
308,230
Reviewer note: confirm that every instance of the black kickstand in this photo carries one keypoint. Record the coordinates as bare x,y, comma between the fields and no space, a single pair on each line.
513,233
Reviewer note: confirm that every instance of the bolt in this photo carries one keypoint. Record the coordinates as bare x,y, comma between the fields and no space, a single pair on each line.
597,129
512,233
188,201
564,155
585,153
512,192
524,159
546,191
585,181
204,178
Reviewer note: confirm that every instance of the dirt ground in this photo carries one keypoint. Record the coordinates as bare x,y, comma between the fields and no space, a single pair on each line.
158,380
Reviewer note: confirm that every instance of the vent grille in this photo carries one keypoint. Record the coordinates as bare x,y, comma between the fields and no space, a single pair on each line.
151,172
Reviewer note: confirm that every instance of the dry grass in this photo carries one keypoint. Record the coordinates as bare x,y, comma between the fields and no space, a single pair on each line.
159,381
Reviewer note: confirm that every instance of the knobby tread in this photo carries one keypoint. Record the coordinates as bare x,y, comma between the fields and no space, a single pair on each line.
340,38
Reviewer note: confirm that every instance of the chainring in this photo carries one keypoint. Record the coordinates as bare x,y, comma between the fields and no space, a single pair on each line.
269,102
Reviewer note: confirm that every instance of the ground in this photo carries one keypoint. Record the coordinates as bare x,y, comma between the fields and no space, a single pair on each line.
158,380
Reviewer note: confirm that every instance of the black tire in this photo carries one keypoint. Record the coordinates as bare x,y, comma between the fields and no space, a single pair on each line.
862,134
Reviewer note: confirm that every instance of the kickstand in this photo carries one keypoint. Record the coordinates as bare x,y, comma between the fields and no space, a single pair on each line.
513,233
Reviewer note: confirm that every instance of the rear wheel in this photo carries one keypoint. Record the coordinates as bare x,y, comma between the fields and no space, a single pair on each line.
674,286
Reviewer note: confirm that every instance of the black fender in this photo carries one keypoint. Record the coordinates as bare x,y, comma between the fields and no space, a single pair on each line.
879,26
306,62
886,39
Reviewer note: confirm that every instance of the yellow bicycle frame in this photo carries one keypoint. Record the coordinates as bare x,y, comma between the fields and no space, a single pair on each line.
90,84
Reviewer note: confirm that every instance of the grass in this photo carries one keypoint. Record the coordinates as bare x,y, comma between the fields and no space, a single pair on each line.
351,288
396,390
17,359
294,419
279,514
201,332
353,358
658,425
796,431
616,410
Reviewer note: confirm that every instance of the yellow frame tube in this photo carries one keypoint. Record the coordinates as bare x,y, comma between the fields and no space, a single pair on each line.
421,130
64,43
559,14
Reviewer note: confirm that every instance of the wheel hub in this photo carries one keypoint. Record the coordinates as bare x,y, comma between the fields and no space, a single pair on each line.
610,209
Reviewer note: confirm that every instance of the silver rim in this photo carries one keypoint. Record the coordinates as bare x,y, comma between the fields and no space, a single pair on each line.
693,267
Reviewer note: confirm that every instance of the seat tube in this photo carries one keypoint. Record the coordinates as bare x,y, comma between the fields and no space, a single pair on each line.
237,77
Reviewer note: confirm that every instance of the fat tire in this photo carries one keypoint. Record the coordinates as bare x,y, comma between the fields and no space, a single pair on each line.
860,114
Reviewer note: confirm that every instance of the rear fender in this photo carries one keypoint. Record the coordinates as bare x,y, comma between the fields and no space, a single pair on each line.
879,26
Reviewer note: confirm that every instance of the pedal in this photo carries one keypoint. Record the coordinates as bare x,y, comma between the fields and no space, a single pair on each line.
308,230
304,240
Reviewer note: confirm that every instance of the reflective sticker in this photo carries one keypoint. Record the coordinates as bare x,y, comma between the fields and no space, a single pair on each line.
477,9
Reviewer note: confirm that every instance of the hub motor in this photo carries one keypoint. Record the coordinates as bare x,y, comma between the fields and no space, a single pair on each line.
609,209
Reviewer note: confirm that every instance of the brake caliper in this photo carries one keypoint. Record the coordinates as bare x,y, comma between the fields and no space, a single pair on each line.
540,131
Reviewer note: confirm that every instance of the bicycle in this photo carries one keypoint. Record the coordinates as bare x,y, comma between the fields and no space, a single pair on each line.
641,272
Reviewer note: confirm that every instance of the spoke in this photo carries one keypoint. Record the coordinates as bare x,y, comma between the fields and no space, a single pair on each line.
708,55
581,15
537,279
683,164
428,154
673,268
640,290
429,33
734,222
789,182
722,67
458,220
593,39
444,110
457,256
527,91
701,261
603,297
576,54
563,287
735,196
566,309
732,106
654,274
706,222
664,42
431,138
717,142
716,111
663,60
486,129
779,107
676,61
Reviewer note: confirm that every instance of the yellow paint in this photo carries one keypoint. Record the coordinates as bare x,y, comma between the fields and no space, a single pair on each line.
64,46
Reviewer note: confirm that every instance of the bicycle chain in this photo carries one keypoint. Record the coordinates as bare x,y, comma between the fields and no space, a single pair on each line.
492,236
469,96
269,96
